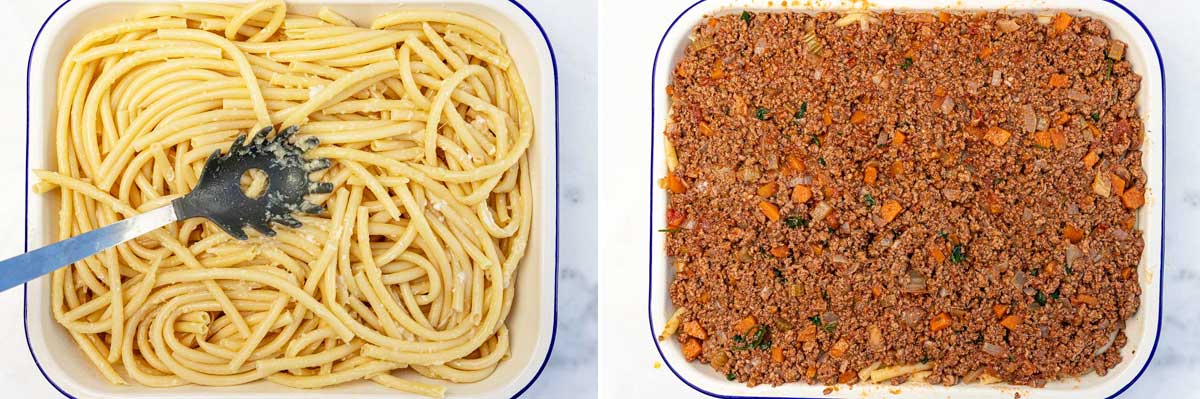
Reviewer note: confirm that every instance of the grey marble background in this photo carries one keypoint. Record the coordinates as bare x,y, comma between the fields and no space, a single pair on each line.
571,27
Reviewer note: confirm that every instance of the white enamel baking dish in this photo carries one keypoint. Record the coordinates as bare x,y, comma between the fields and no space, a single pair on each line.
1142,329
531,321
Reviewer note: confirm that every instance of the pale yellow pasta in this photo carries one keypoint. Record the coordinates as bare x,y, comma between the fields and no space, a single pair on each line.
410,270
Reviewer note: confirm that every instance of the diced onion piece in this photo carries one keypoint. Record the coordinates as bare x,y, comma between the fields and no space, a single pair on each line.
820,211
992,349
1007,25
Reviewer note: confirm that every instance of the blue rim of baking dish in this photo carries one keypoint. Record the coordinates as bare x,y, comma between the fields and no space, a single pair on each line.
1162,222
25,245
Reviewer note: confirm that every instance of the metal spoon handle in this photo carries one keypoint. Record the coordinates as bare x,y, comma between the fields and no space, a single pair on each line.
22,268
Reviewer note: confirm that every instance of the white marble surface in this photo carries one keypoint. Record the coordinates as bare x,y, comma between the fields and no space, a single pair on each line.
630,367
572,30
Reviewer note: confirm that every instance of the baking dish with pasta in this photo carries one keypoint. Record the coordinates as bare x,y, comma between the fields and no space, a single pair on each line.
877,378
354,88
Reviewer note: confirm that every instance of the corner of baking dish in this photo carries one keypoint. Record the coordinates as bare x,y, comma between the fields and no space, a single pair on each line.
1146,323
545,150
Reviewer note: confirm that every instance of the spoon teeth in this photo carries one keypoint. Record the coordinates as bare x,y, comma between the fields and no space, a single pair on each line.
320,188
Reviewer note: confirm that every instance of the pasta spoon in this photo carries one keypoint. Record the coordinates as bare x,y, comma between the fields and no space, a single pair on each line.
218,197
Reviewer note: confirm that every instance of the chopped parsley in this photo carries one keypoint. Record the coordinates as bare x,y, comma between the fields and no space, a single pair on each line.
758,341
746,16
943,234
1070,271
670,230
816,140
978,60
827,327
1095,117
958,254
1109,68
924,359
1054,294
803,110
978,340
1040,298
1034,272
869,200
821,161
730,376
795,221
761,113
907,63
779,275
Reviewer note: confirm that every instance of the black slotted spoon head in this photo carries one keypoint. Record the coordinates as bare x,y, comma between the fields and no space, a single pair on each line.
218,194
218,197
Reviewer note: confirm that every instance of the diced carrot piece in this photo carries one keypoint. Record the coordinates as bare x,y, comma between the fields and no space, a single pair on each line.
795,165
1062,21
770,210
986,52
847,377
876,290
898,138
817,249
939,322
780,251
777,354
839,348
1095,131
943,17
673,184
1058,139
1072,234
807,334
718,70
745,324
1050,269
801,193
1058,80
691,349
976,131
1011,322
1090,159
1041,139
889,210
827,118
1085,298
712,22
1117,183
695,330
936,254
896,169
810,371
767,190
1133,198
1127,273
670,90
1127,224
705,129
870,174
999,309
997,136
994,206
858,117
1061,118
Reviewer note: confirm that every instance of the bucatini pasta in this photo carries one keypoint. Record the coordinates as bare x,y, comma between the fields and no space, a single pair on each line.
427,123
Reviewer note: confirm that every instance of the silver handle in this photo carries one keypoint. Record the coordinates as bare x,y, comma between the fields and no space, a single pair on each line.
22,268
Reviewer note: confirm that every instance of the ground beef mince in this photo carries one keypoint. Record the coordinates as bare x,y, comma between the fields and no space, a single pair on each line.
902,188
